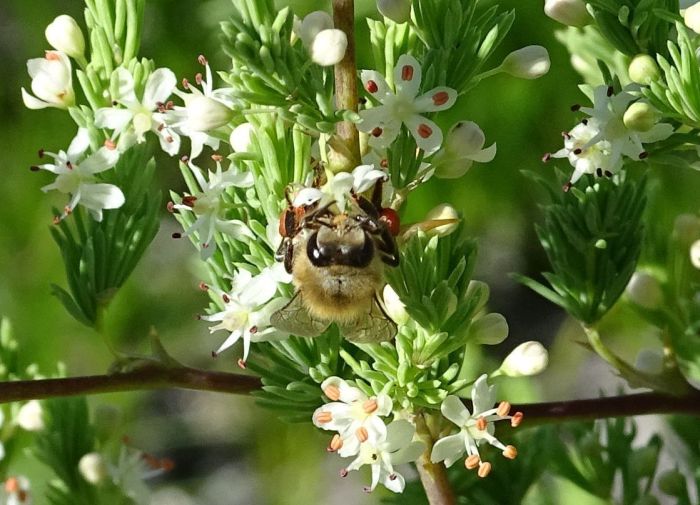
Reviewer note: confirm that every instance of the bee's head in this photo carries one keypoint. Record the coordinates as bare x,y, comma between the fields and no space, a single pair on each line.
343,243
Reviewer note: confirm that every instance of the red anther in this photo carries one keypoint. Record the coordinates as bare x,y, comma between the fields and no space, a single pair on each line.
546,157
566,135
643,155
241,363
407,73
217,157
169,105
160,127
253,330
12,485
198,78
56,219
51,55
203,286
169,139
201,59
67,210
335,444
176,235
41,152
34,168
214,354
69,165
517,419
567,187
384,163
376,132
189,200
371,87
440,98
392,476
110,144
184,158
185,83
575,107
332,392
344,472
170,207
225,298
424,130
391,218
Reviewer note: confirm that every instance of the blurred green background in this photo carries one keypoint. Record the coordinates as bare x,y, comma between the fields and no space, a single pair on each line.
226,450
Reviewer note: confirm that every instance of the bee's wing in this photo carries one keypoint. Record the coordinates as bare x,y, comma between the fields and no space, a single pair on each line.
295,319
376,326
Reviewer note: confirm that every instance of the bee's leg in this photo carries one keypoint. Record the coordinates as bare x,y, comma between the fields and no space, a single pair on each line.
387,246
367,207
285,252
377,194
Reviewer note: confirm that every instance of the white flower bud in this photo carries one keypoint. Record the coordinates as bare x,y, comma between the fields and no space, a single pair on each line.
399,11
93,468
643,69
64,34
640,117
312,25
31,416
395,308
568,12
205,113
328,47
462,147
444,211
529,62
695,254
686,228
650,361
691,17
240,137
490,329
529,358
52,82
644,290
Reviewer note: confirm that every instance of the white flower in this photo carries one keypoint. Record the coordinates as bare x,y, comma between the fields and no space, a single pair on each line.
247,309
528,62
76,176
204,111
608,111
644,290
695,254
382,454
64,34
395,308
17,491
399,11
31,416
691,17
209,205
463,146
93,468
383,122
328,47
52,82
241,137
130,472
568,12
340,186
474,428
529,358
586,155
356,417
312,24
137,117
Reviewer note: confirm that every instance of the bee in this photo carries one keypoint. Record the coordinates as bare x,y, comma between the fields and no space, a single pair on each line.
337,264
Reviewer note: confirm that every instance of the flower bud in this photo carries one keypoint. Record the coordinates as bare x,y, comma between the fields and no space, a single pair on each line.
64,34
30,416
643,69
52,82
93,468
395,308
528,62
650,361
462,147
490,329
529,358
691,17
399,11
443,211
695,254
328,47
644,290
640,117
205,113
240,138
312,25
686,228
568,12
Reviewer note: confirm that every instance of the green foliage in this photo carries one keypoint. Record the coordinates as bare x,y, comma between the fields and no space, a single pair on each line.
635,26
593,240
269,70
99,256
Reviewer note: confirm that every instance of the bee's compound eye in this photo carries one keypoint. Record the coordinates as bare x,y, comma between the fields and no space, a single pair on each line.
319,256
391,218
362,257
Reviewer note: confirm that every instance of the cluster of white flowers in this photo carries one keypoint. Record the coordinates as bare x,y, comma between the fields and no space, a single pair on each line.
326,45
618,125
361,433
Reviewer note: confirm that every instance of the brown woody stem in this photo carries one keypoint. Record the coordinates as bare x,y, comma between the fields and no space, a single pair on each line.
433,476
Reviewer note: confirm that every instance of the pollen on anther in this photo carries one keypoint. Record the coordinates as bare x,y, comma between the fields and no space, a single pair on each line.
376,132
481,423
34,168
484,469
344,472
546,157
371,87
225,298
217,157
517,419
407,72
335,444
324,417
201,59
440,98
643,155
12,485
203,286
575,107
185,83
110,144
384,163
503,409
369,406
332,392
362,434
510,452
472,462
41,152
241,363
184,158
198,78
170,206
424,130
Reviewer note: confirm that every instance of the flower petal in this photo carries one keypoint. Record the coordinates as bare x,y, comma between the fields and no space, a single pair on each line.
399,435
394,482
485,155
232,339
454,410
113,118
448,449
123,82
407,76
159,87
440,98
427,134
408,454
101,160
101,196
32,102
375,84
307,196
79,144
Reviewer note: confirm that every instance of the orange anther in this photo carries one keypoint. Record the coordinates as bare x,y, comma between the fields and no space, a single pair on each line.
517,419
362,434
12,485
484,470
481,423
510,452
324,417
332,392
335,444
503,409
472,462
369,406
